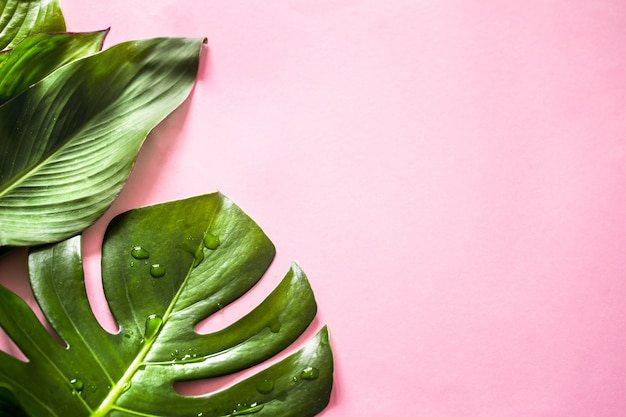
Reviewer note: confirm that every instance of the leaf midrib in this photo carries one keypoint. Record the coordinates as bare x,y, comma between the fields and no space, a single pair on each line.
108,404
60,147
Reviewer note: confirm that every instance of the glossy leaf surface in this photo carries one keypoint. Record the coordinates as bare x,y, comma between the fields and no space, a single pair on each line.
22,18
39,55
69,142
165,268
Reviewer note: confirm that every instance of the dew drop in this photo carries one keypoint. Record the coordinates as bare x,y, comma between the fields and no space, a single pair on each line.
157,270
132,263
77,385
243,409
265,387
174,355
126,386
211,241
139,253
198,258
153,325
275,326
310,373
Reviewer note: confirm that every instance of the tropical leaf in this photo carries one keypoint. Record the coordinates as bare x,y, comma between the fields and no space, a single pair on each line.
22,18
165,268
69,142
37,56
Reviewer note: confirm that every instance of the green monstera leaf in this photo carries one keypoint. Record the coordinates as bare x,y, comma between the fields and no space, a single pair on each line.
165,268
68,143
22,18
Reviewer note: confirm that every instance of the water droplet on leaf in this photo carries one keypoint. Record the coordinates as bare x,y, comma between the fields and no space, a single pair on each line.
265,387
139,253
153,325
157,270
243,409
211,241
275,326
77,385
198,258
310,373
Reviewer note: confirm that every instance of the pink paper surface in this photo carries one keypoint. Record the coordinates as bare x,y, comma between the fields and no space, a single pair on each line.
450,175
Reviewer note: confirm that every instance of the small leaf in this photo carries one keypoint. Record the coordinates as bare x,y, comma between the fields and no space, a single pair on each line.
22,18
69,142
133,371
39,55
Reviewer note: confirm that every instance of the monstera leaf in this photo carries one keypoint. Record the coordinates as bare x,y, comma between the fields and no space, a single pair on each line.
69,141
21,18
165,268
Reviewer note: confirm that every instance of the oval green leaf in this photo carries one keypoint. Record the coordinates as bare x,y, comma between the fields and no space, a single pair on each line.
69,142
133,371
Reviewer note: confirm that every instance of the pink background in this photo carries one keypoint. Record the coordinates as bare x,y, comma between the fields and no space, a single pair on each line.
450,174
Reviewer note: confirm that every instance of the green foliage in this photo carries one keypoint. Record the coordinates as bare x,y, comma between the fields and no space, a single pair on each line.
132,372
71,139
72,119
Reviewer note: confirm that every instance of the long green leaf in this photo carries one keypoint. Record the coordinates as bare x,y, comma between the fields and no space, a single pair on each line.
21,18
39,55
165,268
68,143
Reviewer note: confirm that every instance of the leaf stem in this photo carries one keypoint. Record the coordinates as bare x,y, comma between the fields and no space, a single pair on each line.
123,384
